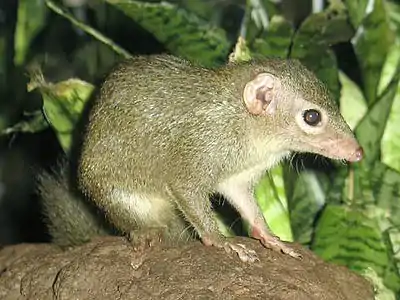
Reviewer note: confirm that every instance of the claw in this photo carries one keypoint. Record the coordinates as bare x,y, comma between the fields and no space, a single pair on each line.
273,242
245,255
145,238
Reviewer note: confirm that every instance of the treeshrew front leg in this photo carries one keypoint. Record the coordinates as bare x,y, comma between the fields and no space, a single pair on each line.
197,210
245,254
239,194
260,231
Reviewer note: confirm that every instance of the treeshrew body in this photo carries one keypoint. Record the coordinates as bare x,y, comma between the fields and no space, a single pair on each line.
164,134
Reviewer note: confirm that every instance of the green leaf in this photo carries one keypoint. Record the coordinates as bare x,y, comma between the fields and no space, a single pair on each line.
306,200
348,236
389,68
275,41
377,186
97,58
376,191
371,45
271,197
63,104
257,18
380,191
390,146
207,10
384,183
352,102
393,237
182,33
356,10
30,20
371,128
380,290
393,10
36,123
311,44
336,192
89,30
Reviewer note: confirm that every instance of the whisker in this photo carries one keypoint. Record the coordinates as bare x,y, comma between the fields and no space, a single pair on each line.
183,234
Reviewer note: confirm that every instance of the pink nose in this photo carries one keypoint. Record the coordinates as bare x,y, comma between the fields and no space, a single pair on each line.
358,155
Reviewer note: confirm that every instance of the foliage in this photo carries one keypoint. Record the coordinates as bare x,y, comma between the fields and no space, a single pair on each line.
347,214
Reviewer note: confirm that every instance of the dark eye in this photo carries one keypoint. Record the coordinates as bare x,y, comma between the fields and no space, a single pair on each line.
312,117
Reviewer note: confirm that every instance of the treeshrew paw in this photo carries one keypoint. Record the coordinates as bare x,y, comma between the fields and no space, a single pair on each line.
273,242
245,254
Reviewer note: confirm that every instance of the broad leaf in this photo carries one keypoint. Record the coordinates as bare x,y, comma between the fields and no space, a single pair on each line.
305,202
30,20
372,127
352,102
348,236
271,197
36,123
393,10
371,44
89,30
390,146
182,33
275,41
312,42
376,191
257,19
380,290
63,104
384,183
356,10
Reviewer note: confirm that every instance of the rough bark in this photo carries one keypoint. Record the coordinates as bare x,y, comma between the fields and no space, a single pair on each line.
109,268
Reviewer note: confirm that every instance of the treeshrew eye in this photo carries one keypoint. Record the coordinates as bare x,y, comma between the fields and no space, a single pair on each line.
312,117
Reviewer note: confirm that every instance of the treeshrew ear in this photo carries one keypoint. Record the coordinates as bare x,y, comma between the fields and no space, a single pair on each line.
259,94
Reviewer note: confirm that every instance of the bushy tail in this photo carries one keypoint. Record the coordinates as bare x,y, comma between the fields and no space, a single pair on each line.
71,220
